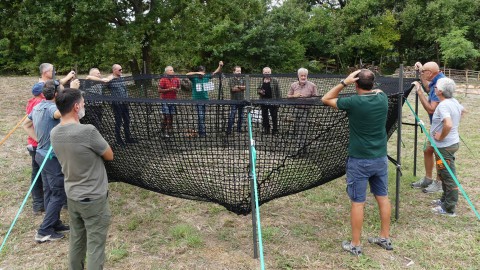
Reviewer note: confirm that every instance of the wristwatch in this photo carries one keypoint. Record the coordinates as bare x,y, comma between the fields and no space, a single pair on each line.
343,83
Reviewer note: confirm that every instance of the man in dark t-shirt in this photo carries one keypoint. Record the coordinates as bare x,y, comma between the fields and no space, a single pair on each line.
367,153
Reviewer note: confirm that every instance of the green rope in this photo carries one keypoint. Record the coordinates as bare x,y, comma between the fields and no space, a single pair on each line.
432,142
257,207
25,199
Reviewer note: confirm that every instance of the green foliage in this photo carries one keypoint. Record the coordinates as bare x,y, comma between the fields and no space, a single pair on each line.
250,33
456,49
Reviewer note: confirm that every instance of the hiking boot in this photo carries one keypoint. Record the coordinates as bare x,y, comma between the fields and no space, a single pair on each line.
440,211
436,202
382,242
422,182
62,228
355,250
40,238
435,186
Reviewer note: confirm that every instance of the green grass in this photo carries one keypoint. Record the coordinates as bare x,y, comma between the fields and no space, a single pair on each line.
300,231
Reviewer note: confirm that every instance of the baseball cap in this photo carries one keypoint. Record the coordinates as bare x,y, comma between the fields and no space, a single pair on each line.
37,88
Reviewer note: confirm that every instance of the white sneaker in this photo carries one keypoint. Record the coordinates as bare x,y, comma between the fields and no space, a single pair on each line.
435,186
439,211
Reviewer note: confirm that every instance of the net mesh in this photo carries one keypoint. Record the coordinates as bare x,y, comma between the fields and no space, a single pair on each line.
161,145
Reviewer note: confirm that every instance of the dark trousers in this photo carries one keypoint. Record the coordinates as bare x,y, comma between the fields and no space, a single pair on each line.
201,120
266,119
54,193
231,117
122,116
93,115
37,190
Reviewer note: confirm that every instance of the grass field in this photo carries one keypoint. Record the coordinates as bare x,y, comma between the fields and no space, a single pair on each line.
301,231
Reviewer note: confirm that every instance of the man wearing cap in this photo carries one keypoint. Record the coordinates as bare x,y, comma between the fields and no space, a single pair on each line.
37,190
43,118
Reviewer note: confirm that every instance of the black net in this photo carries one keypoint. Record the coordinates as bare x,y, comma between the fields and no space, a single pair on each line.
199,149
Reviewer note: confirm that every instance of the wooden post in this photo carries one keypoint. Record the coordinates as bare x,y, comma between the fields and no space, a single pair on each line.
466,82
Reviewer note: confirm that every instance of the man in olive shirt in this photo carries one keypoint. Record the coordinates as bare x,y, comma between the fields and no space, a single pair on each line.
367,153
81,150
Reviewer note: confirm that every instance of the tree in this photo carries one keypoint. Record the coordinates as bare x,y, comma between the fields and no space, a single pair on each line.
456,49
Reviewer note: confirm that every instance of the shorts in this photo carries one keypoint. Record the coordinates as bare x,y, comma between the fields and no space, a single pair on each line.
169,108
361,171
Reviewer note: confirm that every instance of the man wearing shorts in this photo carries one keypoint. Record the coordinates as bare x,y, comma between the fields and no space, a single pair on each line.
367,153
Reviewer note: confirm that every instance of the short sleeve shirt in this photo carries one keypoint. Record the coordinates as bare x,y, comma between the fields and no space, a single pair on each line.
367,115
308,89
79,149
200,81
448,108
166,83
43,122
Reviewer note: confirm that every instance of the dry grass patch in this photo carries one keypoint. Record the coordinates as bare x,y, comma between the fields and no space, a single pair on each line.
301,231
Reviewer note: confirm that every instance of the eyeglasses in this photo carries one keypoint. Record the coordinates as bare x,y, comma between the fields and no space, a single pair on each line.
120,69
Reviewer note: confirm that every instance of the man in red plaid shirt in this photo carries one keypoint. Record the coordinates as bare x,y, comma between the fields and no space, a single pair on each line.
168,87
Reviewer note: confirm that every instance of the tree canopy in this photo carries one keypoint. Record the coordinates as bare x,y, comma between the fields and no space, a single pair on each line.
147,35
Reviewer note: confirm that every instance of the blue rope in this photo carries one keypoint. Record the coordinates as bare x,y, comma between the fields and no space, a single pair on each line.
25,199
254,173
432,142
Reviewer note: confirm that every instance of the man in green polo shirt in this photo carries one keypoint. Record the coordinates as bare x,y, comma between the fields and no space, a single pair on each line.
367,153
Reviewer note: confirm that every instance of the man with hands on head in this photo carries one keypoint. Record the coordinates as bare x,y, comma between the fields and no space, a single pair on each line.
429,75
367,153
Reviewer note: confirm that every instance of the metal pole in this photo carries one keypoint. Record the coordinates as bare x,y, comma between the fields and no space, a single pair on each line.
415,143
399,142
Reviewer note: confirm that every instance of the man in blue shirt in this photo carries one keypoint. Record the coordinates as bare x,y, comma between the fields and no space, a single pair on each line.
430,74
44,117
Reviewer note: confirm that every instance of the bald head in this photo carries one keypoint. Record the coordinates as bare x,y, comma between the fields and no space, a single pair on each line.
430,70
117,70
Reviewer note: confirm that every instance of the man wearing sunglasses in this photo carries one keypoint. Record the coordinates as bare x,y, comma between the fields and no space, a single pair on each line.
429,74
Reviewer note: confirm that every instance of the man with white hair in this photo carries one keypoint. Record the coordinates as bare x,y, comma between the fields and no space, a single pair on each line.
430,74
301,89
444,131
168,88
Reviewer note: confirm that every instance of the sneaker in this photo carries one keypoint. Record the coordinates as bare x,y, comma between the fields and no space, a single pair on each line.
62,228
422,182
436,202
40,238
440,211
435,186
355,250
383,242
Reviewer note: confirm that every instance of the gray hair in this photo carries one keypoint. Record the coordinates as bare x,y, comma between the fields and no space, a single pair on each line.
168,67
446,86
44,67
302,70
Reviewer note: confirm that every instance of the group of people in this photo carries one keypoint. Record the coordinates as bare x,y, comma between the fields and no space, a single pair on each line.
201,84
75,173
367,149
444,113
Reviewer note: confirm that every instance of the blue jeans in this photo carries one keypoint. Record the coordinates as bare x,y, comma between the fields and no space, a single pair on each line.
201,120
54,193
37,190
231,117
363,171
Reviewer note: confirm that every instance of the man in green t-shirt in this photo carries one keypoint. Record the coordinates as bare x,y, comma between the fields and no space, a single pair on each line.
81,150
367,153
201,85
